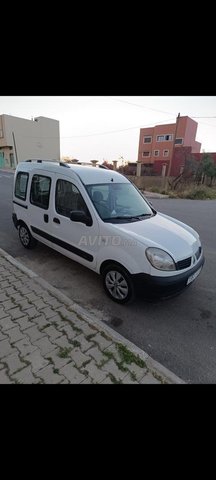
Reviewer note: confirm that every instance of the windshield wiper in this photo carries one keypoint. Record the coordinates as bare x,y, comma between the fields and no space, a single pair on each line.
131,217
140,217
123,217
144,215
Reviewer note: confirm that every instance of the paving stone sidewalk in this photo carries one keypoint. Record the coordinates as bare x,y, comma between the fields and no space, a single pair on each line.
46,338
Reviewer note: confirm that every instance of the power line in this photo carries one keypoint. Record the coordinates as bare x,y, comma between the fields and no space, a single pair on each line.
116,131
153,109
141,106
204,117
102,133
209,124
120,130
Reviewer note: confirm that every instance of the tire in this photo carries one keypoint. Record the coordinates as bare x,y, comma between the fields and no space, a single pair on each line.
118,284
25,237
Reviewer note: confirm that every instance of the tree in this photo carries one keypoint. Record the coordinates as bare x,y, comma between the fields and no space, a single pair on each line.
208,167
190,170
107,164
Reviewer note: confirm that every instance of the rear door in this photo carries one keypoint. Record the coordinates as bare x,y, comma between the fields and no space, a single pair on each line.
39,207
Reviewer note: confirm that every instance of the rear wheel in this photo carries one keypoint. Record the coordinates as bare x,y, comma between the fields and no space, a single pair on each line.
118,283
25,237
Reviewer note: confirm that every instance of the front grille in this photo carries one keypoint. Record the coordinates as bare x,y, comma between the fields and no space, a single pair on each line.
187,261
183,263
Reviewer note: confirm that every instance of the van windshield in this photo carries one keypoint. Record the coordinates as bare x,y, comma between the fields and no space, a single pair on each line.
119,202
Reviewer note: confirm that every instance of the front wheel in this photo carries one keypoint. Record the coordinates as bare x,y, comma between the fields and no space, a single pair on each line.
25,237
118,284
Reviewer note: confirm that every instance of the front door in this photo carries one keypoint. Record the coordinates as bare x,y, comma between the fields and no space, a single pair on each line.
75,239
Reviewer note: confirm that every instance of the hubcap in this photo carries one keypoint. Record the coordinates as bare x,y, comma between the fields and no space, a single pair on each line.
24,236
116,285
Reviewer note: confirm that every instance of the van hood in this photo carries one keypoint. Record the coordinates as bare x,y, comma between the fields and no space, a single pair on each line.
164,232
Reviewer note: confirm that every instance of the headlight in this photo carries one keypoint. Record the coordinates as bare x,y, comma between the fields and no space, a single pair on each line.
160,259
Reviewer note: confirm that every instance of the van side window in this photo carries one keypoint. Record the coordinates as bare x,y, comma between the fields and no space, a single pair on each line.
69,198
21,185
40,191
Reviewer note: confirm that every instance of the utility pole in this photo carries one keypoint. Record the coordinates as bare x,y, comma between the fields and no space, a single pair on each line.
173,151
15,149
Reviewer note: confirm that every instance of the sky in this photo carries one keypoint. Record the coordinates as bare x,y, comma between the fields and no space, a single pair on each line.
107,127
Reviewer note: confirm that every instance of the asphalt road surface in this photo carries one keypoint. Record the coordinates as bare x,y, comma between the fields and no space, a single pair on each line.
180,333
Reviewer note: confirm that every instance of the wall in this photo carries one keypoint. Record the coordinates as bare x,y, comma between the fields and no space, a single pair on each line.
190,136
1,131
198,156
33,139
146,182
142,146
6,153
186,129
166,145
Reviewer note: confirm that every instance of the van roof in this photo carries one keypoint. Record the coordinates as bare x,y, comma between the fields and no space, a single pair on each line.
87,174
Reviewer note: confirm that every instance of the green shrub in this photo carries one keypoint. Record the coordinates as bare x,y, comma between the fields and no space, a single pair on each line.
154,189
164,192
191,192
199,193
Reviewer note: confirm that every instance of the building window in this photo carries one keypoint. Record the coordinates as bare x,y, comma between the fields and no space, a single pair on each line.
146,154
178,141
40,191
21,185
147,139
165,138
68,198
156,153
166,153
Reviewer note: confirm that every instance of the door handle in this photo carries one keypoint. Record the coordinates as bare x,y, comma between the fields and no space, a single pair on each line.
56,220
46,218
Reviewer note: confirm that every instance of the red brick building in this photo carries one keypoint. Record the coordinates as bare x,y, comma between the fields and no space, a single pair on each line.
161,144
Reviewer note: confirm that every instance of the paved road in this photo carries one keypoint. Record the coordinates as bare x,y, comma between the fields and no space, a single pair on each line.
179,333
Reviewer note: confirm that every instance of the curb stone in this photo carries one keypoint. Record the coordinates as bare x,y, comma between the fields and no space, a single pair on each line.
153,194
159,371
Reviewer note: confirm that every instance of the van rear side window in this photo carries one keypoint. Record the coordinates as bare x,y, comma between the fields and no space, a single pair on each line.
21,185
40,191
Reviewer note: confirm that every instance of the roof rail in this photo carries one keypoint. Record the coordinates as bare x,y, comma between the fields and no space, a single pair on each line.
34,160
62,164
39,160
103,166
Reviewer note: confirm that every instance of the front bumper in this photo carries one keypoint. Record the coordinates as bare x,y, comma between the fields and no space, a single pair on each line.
154,287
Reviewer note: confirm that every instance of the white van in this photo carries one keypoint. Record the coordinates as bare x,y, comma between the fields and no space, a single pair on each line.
98,218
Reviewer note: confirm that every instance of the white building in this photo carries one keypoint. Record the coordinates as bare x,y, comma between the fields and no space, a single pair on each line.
22,139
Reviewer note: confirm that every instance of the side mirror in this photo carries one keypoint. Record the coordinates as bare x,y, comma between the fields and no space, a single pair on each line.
80,216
